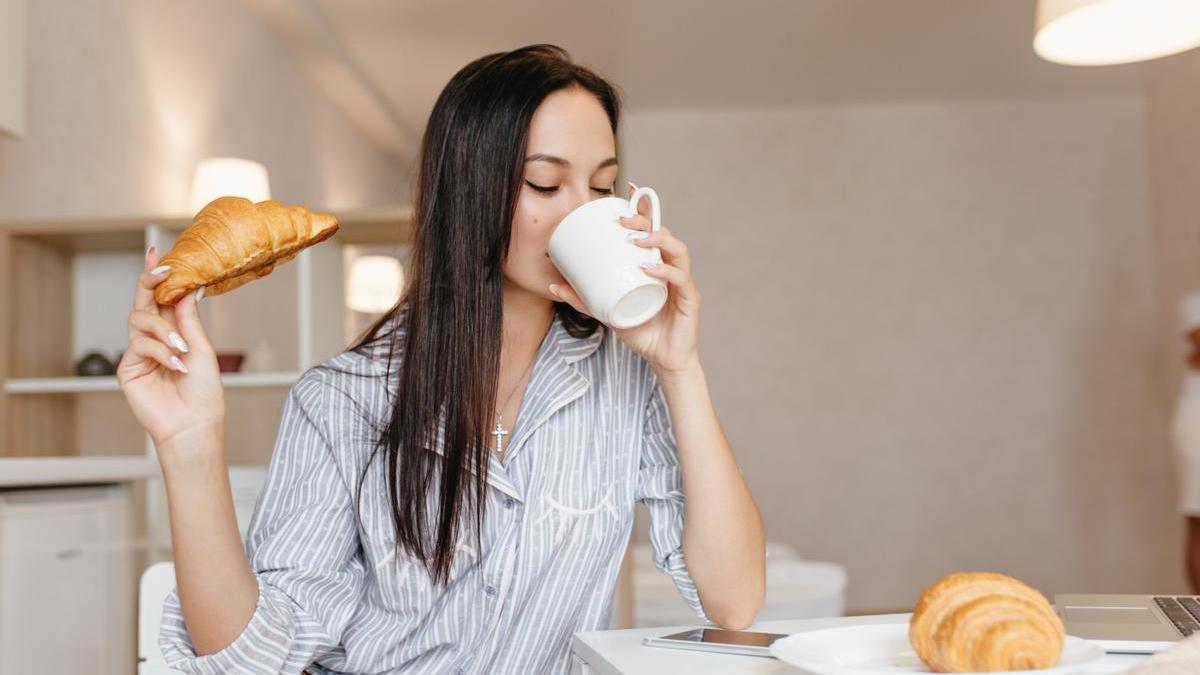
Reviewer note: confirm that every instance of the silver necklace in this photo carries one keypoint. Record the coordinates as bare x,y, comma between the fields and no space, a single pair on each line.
500,432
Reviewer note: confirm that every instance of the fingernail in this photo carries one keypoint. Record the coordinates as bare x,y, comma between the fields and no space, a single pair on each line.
178,364
159,270
149,250
554,289
630,184
649,265
199,294
637,235
177,340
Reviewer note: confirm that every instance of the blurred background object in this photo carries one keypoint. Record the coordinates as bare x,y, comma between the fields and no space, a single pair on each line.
1108,32
375,284
229,177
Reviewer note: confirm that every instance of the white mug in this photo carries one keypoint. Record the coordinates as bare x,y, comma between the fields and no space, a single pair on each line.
596,253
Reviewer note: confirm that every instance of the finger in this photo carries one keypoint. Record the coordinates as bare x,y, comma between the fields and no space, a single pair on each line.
638,222
683,288
673,275
187,317
143,322
147,348
674,251
152,274
567,294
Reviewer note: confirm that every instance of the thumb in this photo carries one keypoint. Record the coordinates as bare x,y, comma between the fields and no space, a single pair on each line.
565,293
187,315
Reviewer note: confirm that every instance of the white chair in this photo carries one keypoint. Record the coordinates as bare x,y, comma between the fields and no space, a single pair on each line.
159,579
157,582
796,589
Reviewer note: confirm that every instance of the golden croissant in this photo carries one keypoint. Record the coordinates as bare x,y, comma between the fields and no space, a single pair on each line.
233,241
984,622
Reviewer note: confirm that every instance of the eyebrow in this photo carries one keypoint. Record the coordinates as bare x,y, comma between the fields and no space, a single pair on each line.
542,157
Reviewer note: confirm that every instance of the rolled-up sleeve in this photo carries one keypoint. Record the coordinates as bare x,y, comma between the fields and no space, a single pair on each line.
304,549
660,488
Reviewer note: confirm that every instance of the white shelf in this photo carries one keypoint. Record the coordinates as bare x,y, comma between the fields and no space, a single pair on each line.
21,471
73,385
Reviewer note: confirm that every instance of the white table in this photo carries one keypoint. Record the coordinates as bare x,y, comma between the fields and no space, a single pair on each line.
621,652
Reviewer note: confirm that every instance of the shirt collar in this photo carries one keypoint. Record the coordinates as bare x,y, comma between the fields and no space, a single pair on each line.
575,349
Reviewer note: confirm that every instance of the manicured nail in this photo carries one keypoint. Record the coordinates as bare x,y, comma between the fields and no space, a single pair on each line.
630,184
159,270
199,294
649,265
177,340
637,235
178,365
149,250
554,289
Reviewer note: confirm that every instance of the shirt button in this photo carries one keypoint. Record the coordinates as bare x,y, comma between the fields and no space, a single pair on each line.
509,502
490,590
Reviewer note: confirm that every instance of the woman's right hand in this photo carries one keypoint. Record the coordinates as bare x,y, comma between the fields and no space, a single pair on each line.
169,371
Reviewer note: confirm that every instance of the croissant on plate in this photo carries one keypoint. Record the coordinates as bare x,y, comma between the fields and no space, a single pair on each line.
233,241
984,622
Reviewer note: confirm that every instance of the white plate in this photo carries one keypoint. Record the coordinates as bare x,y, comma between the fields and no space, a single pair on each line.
883,649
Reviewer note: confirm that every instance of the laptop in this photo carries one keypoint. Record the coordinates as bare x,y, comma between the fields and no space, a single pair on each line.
1130,624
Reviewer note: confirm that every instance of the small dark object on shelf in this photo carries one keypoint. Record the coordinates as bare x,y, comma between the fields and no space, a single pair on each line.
94,364
230,362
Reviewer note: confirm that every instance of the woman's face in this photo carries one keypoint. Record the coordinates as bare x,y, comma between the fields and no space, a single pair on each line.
571,159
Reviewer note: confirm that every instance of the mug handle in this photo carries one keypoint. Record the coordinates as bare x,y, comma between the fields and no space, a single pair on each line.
655,210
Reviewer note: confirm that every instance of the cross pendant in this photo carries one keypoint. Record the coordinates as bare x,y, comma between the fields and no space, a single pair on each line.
499,433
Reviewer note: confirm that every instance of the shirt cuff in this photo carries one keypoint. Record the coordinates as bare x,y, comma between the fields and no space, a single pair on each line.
262,647
677,569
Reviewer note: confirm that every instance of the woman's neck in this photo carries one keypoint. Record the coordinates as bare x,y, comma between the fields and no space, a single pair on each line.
527,316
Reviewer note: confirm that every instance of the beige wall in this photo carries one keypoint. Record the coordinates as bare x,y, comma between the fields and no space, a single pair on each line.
12,66
1174,149
126,95
931,331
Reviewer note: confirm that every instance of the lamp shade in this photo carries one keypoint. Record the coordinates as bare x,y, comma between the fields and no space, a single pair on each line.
229,177
1105,32
375,283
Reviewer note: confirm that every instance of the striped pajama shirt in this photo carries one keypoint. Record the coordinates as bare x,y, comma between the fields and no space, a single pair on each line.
592,439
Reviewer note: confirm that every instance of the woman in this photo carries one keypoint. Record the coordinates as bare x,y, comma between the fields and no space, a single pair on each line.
455,492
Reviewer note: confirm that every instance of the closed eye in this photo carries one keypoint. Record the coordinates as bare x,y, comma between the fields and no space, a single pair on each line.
551,189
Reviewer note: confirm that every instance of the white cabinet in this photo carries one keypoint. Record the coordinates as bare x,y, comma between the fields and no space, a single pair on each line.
66,581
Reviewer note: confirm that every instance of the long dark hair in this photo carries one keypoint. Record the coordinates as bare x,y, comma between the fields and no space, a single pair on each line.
471,170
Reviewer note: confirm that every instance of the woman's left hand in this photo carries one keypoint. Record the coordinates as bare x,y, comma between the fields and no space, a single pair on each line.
669,341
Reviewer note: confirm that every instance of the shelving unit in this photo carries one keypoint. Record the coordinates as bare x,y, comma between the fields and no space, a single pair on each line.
79,385
66,287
